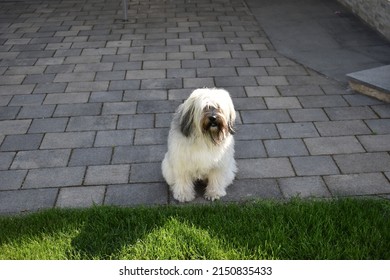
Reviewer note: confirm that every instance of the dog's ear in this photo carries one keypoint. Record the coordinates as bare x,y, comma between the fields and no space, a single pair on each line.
231,127
186,119
232,119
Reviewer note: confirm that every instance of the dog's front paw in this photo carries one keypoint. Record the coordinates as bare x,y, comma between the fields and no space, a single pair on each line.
184,196
214,195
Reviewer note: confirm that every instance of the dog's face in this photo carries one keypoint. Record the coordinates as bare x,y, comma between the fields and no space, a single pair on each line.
209,113
214,124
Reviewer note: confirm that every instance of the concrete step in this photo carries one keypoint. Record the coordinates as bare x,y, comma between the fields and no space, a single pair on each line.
373,82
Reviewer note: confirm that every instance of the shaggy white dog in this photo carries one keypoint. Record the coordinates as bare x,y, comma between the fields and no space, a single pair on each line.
201,145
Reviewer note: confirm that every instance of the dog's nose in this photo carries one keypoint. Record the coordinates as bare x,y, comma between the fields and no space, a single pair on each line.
212,118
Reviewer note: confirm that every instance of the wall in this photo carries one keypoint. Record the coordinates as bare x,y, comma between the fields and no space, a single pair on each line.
375,12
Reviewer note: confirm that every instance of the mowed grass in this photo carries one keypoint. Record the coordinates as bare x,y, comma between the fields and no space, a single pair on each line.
298,229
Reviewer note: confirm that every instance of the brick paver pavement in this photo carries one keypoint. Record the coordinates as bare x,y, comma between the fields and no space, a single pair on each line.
86,102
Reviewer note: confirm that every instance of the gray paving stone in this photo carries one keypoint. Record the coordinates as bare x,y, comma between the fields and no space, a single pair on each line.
61,68
16,89
306,115
136,121
75,77
41,158
27,200
48,125
158,106
50,88
256,131
106,96
26,100
251,71
375,143
304,187
265,116
146,173
264,168
14,126
350,113
139,154
9,113
89,86
195,63
161,64
39,78
216,72
107,174
145,74
68,140
138,95
198,82
309,80
382,110
362,163
68,98
248,103
357,184
6,159
80,197
84,123
181,73
54,177
119,108
90,156
387,175
12,79
322,101
252,91
83,59
11,179
286,70
112,138
212,55
285,147
41,111
264,61
314,165
361,100
228,62
249,149
21,142
151,136
110,76
272,80
163,120
381,126
301,90
25,70
128,65
282,102
333,145
168,83
4,100
235,81
252,189
69,110
297,130
340,128
137,194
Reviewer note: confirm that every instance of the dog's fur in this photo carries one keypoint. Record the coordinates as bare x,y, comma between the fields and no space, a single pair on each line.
201,145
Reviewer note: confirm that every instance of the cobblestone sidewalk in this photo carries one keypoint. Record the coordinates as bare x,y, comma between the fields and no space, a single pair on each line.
86,101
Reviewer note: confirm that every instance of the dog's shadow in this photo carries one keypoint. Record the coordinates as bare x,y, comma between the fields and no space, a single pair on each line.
200,187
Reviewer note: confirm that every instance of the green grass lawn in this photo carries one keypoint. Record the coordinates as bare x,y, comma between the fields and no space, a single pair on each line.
298,229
